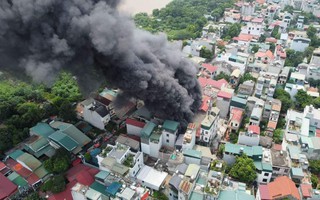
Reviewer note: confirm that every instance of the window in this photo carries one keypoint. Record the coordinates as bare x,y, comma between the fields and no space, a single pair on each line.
257,29
266,174
167,141
286,171
276,168
167,134
264,180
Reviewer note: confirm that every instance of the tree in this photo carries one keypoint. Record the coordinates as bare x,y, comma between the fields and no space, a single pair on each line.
206,53
314,181
311,31
278,136
222,75
314,166
262,38
66,87
244,170
255,48
55,184
285,98
58,163
302,100
275,32
87,157
247,77
34,196
294,58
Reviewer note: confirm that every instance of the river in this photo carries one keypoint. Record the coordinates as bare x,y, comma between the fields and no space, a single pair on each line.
135,6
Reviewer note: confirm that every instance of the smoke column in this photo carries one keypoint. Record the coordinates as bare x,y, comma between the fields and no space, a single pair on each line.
93,40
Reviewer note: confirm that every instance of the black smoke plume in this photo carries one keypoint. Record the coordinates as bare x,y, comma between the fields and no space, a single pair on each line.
93,40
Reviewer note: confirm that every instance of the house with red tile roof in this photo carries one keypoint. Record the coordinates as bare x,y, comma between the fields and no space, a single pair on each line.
235,119
7,188
271,40
243,39
280,188
264,56
208,70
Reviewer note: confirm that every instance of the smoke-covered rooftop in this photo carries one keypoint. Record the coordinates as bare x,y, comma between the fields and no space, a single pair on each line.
94,41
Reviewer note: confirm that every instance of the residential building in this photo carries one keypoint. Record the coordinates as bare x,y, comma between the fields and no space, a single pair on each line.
255,27
256,115
235,119
300,44
247,9
297,78
281,187
67,136
300,22
188,183
223,103
151,177
231,16
246,88
235,77
119,156
207,70
169,132
308,193
280,163
292,89
188,139
283,76
95,113
251,137
264,167
233,150
209,126
7,188
315,59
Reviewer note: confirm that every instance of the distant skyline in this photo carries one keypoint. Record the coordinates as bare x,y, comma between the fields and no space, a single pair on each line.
136,6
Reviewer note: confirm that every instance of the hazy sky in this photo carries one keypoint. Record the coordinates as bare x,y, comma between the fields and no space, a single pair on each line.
136,6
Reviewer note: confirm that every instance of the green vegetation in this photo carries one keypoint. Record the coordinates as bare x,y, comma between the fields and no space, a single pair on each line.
314,181
34,196
294,58
206,53
275,32
182,19
278,136
215,162
314,166
244,170
159,195
129,161
222,75
55,184
231,31
59,163
285,99
302,100
255,48
22,105
247,77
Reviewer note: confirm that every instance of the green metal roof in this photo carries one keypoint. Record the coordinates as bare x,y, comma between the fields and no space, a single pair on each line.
267,167
238,102
148,129
17,179
192,153
234,195
17,153
30,161
42,129
249,151
170,126
297,172
99,188
102,175
41,142
64,140
156,134
73,132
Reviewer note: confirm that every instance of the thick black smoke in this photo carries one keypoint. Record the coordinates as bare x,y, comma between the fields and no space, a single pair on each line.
90,38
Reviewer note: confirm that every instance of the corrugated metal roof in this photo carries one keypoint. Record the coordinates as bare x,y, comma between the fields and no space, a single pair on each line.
170,125
192,170
64,140
42,129
192,153
148,129
29,161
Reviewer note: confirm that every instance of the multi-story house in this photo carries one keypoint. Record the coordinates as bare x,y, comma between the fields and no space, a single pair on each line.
169,132
281,163
235,119
120,159
256,115
209,126
255,27
223,103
